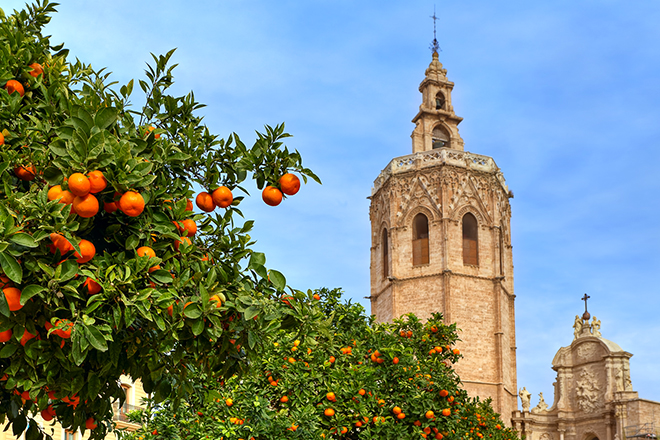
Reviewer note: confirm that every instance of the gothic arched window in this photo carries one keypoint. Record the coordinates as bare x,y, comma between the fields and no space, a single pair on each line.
440,101
420,240
470,240
386,254
440,137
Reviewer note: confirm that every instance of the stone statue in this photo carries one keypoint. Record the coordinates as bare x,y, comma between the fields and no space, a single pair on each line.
619,379
577,326
626,380
524,399
595,327
542,406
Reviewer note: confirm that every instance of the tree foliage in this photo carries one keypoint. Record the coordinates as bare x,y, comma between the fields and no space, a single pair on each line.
71,119
374,371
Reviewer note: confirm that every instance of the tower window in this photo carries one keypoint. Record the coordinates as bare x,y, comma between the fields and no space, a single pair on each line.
420,240
470,240
386,254
439,101
440,137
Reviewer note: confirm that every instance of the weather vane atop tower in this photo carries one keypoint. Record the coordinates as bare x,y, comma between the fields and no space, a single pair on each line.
435,47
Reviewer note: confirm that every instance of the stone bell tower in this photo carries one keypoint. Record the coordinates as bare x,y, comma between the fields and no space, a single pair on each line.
441,242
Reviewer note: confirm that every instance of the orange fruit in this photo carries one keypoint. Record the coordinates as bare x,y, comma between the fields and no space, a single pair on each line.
222,197
90,423
48,414
272,196
2,139
55,192
87,251
343,430
289,184
329,412
444,393
396,410
86,206
4,282
36,69
6,335
331,396
79,184
395,360
13,297
97,182
456,351
429,415
182,240
26,337
205,202
92,286
317,296
67,197
446,412
110,207
145,251
229,402
149,130
284,399
188,225
65,334
362,392
131,203
189,205
401,416
14,86
332,359
217,299
25,173
61,243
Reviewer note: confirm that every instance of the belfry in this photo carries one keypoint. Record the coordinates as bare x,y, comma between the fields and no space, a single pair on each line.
441,242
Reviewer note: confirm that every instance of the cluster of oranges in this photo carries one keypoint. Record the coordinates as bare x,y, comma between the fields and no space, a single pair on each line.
220,197
81,196
289,185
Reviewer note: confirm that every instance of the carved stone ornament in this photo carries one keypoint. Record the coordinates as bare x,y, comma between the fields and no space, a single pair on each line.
525,399
546,436
587,392
586,351
542,406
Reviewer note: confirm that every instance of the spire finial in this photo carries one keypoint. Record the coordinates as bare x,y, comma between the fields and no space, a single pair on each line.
435,47
586,314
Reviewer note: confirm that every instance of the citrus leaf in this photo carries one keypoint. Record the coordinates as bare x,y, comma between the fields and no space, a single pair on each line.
251,312
192,311
198,327
29,291
277,279
11,268
95,338
24,239
8,350
257,259
162,276
105,117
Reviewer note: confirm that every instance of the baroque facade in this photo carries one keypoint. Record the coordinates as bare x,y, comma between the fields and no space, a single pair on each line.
441,243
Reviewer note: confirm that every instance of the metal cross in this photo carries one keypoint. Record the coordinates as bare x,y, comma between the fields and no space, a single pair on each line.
435,47
585,298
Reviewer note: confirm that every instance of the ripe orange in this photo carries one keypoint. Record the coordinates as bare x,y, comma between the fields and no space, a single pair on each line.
6,335
229,402
86,206
284,399
48,414
145,251
217,299
188,225
183,240
61,243
331,396
332,359
90,423
55,192
25,173
131,203
189,205
87,251
429,414
222,197
79,184
444,393
446,412
2,139
396,410
92,286
4,282
205,202
329,412
66,197
97,182
289,184
395,360
26,337
456,351
36,69
110,207
149,130
343,430
272,196
13,297
317,296
14,86
401,416
362,392
65,334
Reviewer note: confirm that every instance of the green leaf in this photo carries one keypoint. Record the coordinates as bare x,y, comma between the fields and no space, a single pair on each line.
69,270
33,432
105,117
11,268
162,276
257,259
29,291
198,327
277,279
132,242
192,311
251,312
95,338
8,350
24,239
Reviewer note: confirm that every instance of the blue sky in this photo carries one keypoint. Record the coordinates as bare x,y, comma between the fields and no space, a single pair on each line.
563,95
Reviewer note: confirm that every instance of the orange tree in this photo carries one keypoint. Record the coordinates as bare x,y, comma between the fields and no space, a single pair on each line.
338,375
106,268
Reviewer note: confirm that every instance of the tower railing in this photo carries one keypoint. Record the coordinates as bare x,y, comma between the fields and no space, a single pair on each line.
440,156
